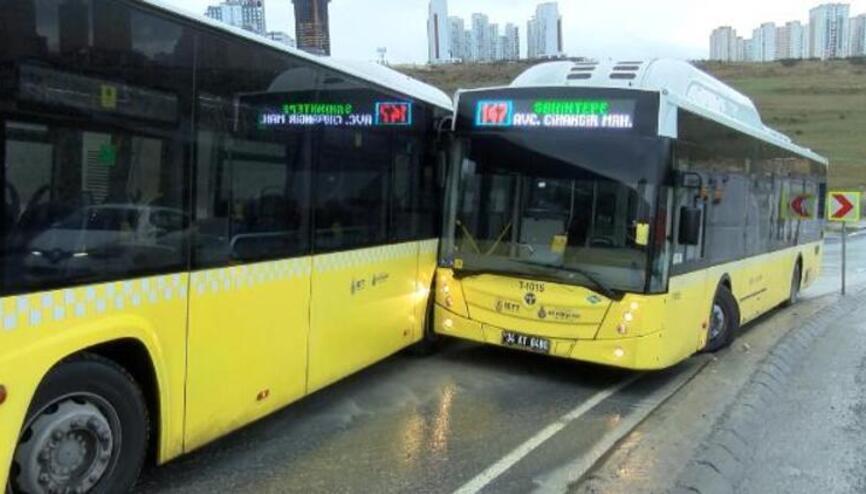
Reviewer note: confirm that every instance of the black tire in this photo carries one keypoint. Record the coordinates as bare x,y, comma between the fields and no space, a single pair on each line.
724,320
430,342
67,404
796,280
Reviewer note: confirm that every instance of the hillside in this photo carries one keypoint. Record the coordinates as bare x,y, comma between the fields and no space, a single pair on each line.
821,105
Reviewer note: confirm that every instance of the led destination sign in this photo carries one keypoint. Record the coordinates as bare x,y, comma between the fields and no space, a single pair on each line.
556,114
338,115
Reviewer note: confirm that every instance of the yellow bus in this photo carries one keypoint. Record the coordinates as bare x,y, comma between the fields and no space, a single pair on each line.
200,227
623,213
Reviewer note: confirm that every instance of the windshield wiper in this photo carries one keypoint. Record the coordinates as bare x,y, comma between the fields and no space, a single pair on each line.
470,272
598,285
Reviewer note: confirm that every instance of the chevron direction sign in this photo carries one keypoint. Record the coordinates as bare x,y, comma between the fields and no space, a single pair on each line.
843,206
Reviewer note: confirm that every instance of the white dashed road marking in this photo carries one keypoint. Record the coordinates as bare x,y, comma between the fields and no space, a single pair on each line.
506,462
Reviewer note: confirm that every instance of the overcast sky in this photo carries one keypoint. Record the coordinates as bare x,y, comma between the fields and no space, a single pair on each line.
595,28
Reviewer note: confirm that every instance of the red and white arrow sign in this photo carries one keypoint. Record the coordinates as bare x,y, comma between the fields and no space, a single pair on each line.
844,206
801,205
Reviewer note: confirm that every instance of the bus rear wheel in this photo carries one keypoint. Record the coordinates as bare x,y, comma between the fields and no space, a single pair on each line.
796,280
86,431
724,320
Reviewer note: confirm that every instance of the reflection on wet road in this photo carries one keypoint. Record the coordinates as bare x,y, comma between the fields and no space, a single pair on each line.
422,425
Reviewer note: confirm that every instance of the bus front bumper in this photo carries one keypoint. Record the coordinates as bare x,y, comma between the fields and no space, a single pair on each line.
636,353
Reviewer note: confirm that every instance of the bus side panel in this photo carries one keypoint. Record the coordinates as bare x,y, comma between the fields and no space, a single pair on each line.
688,307
778,267
749,279
427,257
247,345
39,330
362,309
812,257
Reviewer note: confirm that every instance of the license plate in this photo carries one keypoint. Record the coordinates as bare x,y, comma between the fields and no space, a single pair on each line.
526,342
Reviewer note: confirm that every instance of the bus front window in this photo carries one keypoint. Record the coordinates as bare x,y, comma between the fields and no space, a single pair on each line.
580,215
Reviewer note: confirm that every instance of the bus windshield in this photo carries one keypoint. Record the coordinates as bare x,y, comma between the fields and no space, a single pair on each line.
576,211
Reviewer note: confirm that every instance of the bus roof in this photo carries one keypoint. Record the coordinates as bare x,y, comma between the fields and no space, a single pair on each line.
367,71
680,82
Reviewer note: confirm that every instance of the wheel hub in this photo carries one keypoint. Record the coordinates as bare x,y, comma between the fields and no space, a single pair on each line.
68,448
717,325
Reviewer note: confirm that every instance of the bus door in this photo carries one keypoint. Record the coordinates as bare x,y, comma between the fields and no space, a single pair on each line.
689,306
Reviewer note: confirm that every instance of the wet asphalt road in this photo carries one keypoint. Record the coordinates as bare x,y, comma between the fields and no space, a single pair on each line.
423,425
831,271
435,424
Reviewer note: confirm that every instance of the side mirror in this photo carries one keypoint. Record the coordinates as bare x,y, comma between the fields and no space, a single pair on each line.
690,226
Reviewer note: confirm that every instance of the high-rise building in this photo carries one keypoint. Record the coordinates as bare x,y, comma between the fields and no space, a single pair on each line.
723,44
512,42
282,38
457,38
783,42
480,35
857,43
438,46
493,46
740,50
789,41
828,31
312,33
245,14
470,52
544,32
764,42
749,52
804,41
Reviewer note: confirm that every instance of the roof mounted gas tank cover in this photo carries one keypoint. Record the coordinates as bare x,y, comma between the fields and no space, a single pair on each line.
680,81
677,77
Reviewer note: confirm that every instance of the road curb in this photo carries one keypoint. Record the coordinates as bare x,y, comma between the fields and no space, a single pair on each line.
719,465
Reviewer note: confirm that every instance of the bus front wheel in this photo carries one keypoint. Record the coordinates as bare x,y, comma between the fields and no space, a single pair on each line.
724,320
86,431
430,341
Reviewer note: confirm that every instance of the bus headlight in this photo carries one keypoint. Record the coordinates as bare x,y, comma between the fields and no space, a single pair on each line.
446,295
449,294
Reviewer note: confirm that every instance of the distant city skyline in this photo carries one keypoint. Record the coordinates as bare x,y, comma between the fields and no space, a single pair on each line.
622,29
831,31
249,15
451,39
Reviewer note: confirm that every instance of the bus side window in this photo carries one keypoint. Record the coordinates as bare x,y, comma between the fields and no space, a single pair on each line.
82,175
252,190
